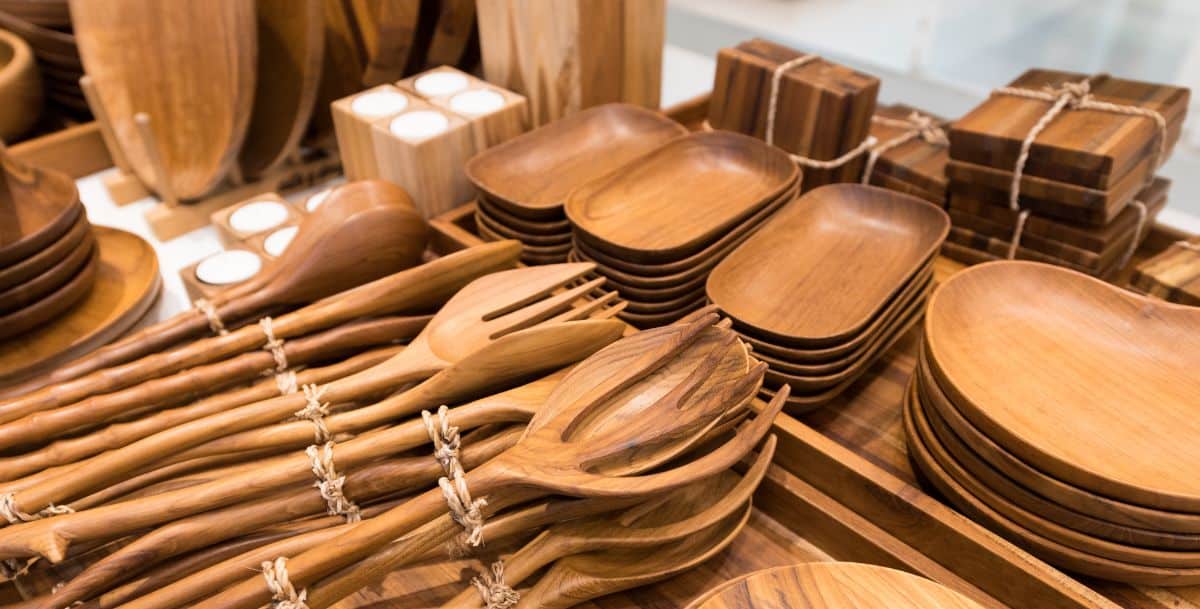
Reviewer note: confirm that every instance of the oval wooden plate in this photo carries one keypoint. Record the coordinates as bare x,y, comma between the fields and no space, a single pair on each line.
833,585
38,263
1026,350
536,250
826,264
291,45
655,210
483,218
127,283
189,65
531,174
643,294
549,228
31,292
645,321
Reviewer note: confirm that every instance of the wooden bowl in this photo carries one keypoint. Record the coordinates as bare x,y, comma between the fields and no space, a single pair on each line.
20,87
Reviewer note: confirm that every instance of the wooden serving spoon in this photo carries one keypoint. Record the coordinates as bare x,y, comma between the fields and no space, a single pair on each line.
365,230
629,408
415,290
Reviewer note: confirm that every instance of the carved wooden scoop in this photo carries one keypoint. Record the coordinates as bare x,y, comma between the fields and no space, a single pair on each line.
629,408
364,231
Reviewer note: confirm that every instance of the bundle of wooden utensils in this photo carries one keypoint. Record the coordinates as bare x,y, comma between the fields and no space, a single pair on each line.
828,284
1058,410
1059,167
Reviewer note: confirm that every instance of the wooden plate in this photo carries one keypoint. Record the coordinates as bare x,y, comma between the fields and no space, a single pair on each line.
126,284
642,307
1026,350
655,210
482,218
158,58
645,321
37,207
813,357
833,585
824,266
1071,497
291,45
30,292
552,228
643,294
536,250
38,263
54,304
530,175
1051,551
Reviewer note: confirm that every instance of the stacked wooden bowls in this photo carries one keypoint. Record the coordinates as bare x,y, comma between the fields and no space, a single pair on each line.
523,183
46,26
1060,411
828,284
656,227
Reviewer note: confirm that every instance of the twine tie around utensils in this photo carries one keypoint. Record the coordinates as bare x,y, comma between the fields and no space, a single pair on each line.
915,125
283,593
467,512
215,325
315,411
445,438
773,109
330,484
1137,233
1072,96
492,589
14,515
274,346
286,382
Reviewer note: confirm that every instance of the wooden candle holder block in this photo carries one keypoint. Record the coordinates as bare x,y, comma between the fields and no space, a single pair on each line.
352,120
424,151
495,115
222,270
271,244
256,215
438,82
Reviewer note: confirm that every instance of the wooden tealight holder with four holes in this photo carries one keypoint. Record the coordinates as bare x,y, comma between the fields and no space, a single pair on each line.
257,215
424,151
353,118
495,114
221,270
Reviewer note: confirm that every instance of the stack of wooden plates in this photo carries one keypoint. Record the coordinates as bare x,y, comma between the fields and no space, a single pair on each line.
1089,171
46,26
828,284
1060,411
656,227
523,183
917,166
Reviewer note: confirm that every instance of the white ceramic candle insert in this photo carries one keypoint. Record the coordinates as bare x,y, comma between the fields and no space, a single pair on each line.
228,267
379,103
436,84
316,200
258,216
419,124
476,102
278,241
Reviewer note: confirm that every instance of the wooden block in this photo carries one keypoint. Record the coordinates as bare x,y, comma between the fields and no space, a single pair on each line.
916,161
1091,148
222,270
124,188
77,151
424,152
883,180
437,82
352,120
493,114
256,215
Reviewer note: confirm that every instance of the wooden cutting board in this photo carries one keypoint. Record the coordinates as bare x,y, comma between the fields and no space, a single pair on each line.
916,161
1028,350
190,66
1173,275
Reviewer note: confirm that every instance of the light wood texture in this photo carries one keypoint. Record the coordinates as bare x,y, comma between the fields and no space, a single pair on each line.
489,127
837,278
199,289
1173,275
916,162
152,58
531,175
77,151
127,283
20,86
354,137
649,211
291,45
231,236
1105,338
429,167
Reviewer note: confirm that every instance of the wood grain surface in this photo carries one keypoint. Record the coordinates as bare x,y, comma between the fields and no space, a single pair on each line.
1172,275
916,161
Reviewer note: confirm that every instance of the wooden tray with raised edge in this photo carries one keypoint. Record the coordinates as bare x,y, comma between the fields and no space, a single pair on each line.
853,453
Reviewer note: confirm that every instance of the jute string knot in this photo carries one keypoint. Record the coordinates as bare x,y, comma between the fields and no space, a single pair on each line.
283,593
445,438
330,483
215,325
315,411
14,515
467,512
914,125
495,593
13,568
1137,233
286,382
274,346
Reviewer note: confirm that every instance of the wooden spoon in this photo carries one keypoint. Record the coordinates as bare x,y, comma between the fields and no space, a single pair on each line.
629,408
37,206
364,231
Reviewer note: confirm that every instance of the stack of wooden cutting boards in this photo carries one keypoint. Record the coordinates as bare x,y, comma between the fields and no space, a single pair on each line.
1173,274
909,158
1088,185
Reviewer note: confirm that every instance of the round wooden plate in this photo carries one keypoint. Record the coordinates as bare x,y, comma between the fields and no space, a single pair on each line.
30,293
833,585
34,265
126,285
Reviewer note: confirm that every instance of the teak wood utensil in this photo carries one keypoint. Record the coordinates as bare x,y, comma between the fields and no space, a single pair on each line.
651,211
154,59
839,272
553,228
37,206
326,257
1125,346
19,272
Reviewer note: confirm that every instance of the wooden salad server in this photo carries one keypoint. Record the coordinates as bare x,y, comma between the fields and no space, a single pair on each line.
200,381
631,407
482,313
364,231
416,290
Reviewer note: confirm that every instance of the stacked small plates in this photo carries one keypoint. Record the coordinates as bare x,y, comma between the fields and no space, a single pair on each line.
656,227
829,284
523,183
1060,411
